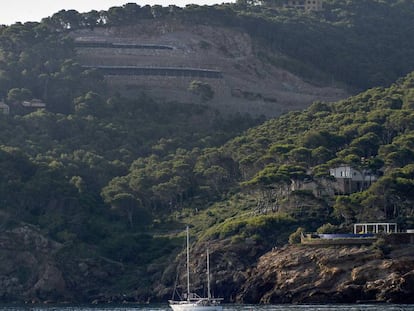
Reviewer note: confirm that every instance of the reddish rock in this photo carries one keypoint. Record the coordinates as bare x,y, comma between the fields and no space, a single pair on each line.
300,274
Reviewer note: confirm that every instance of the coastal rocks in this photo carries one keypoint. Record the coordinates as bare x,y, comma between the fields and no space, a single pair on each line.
340,274
28,270
36,269
50,284
91,278
229,261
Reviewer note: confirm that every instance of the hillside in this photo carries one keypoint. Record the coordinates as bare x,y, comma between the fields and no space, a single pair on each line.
101,173
247,83
255,210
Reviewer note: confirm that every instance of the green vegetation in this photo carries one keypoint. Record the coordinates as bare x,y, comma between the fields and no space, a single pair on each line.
295,237
360,43
202,89
122,174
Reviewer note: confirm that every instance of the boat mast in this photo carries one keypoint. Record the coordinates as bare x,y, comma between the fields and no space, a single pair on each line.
188,265
208,275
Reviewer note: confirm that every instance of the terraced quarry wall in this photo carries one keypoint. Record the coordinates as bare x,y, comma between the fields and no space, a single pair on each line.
163,58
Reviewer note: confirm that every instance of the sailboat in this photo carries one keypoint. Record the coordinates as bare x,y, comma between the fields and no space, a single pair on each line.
191,301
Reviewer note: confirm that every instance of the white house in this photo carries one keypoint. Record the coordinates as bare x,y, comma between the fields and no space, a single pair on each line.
34,103
349,179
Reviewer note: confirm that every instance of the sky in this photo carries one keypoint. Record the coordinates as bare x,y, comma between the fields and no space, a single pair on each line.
12,11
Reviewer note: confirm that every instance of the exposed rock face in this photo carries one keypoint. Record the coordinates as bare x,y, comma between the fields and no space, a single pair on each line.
228,265
28,270
34,268
250,83
298,274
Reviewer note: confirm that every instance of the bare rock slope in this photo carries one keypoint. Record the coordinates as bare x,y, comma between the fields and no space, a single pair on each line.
28,269
296,274
249,83
37,269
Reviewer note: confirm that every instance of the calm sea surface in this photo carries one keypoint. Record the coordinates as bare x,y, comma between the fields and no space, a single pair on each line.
361,307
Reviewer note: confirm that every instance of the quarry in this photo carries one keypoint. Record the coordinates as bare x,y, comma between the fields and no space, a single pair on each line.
162,58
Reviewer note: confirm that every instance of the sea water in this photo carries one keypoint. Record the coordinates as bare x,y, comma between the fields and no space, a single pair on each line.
229,307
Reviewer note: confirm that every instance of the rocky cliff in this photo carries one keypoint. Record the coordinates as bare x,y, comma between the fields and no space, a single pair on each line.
302,274
28,269
36,269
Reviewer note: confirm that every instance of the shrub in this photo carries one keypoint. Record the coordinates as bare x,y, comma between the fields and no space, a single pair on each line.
294,238
328,228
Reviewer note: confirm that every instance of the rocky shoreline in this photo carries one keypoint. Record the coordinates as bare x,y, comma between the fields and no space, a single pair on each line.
34,269
335,274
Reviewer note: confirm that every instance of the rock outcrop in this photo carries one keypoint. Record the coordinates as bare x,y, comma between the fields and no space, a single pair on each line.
28,269
34,268
340,274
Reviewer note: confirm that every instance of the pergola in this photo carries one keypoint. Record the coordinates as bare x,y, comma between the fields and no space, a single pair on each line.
376,227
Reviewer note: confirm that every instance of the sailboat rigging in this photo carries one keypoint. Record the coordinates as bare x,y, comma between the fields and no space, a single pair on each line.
192,301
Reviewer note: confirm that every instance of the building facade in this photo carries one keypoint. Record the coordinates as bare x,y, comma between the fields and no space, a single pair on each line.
306,5
349,179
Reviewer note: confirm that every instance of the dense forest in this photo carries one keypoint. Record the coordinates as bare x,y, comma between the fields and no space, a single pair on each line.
96,168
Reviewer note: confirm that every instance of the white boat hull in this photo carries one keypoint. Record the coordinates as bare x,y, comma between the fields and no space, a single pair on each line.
194,306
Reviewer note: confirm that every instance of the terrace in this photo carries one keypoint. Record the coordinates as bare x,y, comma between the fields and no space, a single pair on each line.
364,234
